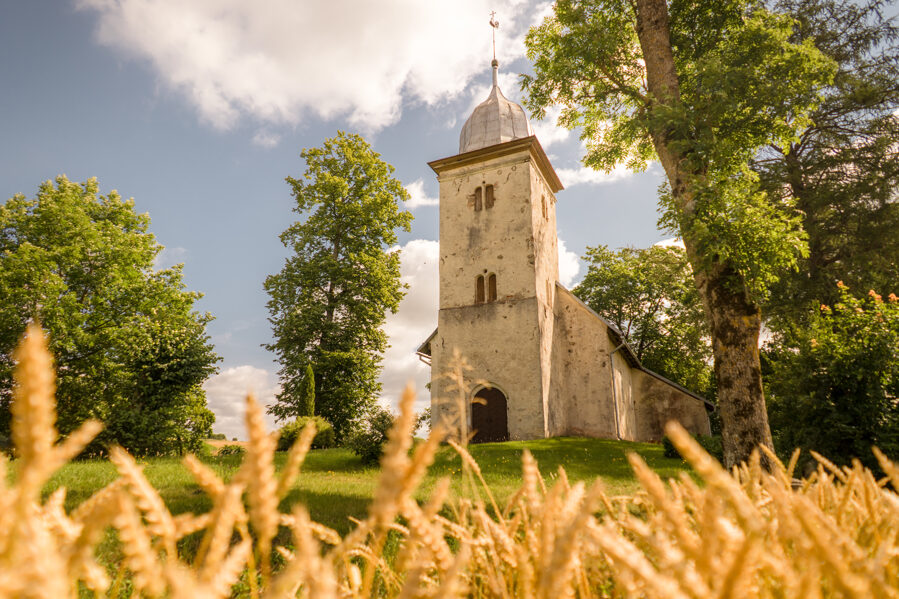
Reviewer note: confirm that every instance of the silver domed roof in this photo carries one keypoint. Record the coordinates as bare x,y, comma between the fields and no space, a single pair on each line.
494,121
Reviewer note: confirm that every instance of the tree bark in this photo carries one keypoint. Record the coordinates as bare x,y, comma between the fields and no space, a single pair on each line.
734,319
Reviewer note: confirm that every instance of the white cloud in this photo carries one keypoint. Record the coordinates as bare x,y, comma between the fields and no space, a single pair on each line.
413,322
547,131
569,265
584,175
671,242
283,60
226,394
266,139
168,257
418,196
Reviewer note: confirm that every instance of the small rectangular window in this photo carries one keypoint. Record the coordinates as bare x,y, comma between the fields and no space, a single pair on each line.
477,200
479,290
491,288
488,201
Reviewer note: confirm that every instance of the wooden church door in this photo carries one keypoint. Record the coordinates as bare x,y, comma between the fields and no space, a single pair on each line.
488,416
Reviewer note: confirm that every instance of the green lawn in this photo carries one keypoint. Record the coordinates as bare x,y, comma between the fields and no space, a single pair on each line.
335,486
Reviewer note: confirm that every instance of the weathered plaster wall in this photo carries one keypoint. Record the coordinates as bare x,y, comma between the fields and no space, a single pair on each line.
500,353
546,272
657,402
580,398
507,342
623,381
496,240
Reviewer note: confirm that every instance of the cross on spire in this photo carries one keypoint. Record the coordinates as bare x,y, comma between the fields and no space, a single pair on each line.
495,25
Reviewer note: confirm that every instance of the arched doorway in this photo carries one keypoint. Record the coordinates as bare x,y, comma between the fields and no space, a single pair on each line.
488,416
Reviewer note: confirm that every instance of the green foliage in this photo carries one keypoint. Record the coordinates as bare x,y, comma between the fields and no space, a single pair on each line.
370,434
743,82
129,348
423,421
649,295
231,450
328,303
324,437
835,380
307,392
712,445
334,487
842,172
205,451
218,437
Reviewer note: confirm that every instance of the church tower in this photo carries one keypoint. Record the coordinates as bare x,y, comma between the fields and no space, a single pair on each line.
498,270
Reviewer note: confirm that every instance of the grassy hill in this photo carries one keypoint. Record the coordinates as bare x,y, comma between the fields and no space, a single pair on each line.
335,486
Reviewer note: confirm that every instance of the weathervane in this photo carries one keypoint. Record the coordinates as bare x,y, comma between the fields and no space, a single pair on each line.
495,24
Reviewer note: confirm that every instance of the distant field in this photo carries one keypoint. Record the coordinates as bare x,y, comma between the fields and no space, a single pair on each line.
335,486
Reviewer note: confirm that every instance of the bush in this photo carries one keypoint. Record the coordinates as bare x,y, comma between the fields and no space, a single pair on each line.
218,437
369,435
712,445
206,450
835,380
231,450
324,438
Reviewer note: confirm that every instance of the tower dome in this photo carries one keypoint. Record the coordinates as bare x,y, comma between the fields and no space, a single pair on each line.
494,121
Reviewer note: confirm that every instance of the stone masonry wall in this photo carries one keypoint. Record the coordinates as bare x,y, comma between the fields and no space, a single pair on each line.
580,401
658,402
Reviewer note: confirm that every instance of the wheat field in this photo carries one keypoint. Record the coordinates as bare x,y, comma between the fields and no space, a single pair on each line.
742,534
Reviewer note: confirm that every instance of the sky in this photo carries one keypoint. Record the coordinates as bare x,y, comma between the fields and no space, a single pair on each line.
199,110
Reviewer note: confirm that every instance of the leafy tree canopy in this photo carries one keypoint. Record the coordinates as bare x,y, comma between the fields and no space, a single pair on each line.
701,86
649,295
129,348
744,83
329,301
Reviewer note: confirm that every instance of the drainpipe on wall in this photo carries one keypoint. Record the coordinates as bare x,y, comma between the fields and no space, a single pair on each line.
614,395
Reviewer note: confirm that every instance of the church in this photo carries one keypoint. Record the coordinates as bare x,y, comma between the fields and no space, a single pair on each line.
540,363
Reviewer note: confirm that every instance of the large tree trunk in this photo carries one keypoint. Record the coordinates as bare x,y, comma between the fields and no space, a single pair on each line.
735,321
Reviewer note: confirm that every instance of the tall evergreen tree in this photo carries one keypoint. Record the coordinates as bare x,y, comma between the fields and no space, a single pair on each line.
842,170
329,301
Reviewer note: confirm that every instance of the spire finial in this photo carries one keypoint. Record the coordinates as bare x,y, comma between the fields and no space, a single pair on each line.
495,24
494,63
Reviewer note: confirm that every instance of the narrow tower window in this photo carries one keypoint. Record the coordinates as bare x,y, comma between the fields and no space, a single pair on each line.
479,290
477,200
491,288
488,199
544,208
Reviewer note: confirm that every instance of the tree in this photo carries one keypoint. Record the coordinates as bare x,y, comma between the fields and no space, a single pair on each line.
307,392
842,172
701,88
129,348
329,301
835,382
649,295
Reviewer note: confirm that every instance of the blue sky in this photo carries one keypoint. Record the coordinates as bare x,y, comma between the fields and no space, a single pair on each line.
198,110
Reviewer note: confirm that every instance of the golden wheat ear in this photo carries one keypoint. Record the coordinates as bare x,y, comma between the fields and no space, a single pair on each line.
33,408
262,486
